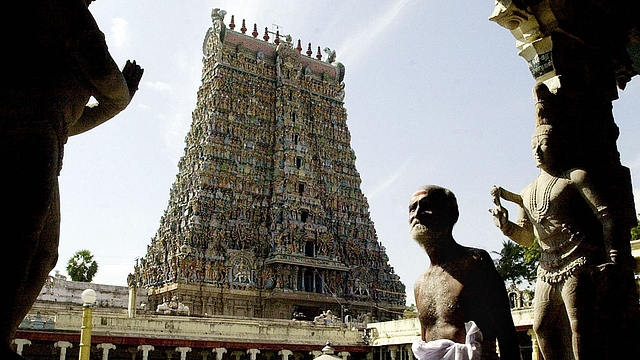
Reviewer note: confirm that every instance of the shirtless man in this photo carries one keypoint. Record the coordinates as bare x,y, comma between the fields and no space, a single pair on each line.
461,300
56,59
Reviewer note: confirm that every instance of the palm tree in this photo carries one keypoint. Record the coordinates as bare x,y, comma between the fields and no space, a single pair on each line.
517,263
82,267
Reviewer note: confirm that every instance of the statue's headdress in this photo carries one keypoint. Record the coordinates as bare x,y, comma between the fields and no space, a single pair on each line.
546,110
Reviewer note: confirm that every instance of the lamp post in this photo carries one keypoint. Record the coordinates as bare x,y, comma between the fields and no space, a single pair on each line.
88,298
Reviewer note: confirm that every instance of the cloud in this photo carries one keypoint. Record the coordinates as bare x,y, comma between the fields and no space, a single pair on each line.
389,181
176,127
359,42
120,31
157,85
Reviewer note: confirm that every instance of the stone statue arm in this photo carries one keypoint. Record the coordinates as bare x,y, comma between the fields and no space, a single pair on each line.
521,233
112,88
580,180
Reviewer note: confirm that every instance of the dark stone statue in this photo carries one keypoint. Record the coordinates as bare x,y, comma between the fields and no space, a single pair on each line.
55,59
577,307
461,299
562,209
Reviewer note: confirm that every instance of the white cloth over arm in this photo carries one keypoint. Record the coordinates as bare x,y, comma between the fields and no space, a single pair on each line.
449,350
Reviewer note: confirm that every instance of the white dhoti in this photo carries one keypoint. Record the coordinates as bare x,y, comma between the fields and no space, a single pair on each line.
449,350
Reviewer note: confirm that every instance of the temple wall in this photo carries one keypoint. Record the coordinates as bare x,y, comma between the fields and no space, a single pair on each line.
58,289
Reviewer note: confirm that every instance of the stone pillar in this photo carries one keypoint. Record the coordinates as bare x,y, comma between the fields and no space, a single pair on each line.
410,355
219,352
344,355
392,352
183,350
145,350
252,353
105,349
131,309
63,345
285,354
20,343
370,355
535,350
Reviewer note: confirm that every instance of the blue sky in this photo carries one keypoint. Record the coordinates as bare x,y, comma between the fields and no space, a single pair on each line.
435,94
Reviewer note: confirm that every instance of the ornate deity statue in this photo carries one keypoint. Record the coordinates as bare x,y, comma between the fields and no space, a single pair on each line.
566,213
585,52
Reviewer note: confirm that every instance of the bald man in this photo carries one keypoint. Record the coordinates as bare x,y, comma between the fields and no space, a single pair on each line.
461,299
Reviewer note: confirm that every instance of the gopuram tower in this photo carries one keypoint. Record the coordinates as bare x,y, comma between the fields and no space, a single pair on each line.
266,217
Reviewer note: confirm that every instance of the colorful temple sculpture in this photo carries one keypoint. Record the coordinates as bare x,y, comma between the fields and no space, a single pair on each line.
266,217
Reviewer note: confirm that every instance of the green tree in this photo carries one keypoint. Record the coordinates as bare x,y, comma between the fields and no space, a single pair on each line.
635,232
517,263
82,267
410,312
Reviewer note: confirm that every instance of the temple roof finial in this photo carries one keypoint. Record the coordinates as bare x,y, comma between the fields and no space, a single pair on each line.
309,51
243,29
299,47
319,54
255,31
232,24
266,34
277,40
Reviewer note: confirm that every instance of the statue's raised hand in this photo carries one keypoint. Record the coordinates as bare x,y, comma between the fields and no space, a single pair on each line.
500,214
132,73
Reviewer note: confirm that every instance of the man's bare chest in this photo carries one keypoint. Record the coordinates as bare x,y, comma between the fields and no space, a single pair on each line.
438,298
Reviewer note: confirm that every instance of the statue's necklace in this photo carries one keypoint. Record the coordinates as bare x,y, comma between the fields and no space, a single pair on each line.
539,213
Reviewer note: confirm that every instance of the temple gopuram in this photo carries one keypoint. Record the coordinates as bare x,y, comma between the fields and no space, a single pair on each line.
266,217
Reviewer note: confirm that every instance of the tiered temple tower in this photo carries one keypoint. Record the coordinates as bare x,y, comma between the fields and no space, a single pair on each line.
266,217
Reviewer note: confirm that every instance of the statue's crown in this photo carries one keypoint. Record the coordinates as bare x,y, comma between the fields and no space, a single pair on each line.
545,109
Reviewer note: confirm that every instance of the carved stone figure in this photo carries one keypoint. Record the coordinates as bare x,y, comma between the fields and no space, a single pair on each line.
580,256
461,300
584,53
563,209
59,60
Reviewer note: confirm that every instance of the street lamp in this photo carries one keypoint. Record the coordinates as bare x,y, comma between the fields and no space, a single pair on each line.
88,299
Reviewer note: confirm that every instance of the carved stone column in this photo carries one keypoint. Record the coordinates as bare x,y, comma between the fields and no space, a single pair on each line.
63,345
285,354
219,352
253,353
183,350
105,349
392,352
20,343
535,350
409,352
145,350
